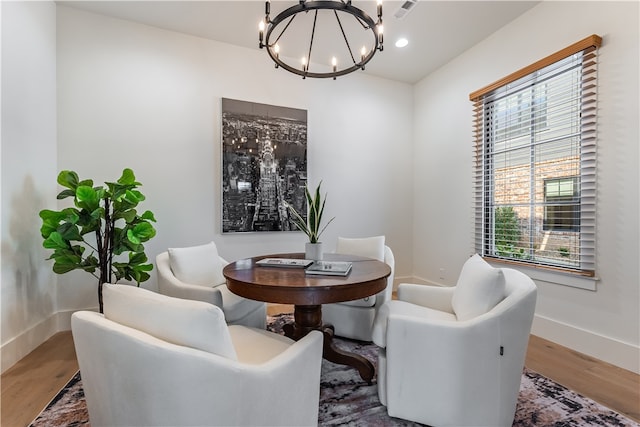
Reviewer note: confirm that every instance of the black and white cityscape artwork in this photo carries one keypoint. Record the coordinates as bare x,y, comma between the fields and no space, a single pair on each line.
264,164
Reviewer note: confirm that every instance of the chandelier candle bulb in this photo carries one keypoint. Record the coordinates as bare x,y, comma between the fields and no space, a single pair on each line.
261,32
334,63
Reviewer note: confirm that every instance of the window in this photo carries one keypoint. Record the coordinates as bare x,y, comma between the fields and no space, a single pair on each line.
534,163
562,205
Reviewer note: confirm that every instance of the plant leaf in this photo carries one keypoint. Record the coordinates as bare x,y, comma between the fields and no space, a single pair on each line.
68,179
66,193
141,233
90,264
69,231
129,215
50,221
297,219
66,262
127,178
148,215
137,258
97,214
62,267
55,241
87,198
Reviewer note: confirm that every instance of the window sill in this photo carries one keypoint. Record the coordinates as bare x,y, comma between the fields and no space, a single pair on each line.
554,277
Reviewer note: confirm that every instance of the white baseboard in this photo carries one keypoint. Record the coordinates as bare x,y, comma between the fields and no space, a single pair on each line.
417,280
18,347
615,352
610,350
63,319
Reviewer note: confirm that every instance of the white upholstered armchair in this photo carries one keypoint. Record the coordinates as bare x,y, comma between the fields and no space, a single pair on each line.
196,273
453,356
354,319
153,360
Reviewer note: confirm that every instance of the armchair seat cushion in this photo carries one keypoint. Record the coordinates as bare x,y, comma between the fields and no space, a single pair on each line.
256,346
198,265
390,308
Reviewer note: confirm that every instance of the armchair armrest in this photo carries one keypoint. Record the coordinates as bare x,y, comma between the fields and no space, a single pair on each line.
170,285
430,358
295,374
459,338
436,297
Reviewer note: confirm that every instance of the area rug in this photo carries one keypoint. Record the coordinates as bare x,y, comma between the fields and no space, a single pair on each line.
347,400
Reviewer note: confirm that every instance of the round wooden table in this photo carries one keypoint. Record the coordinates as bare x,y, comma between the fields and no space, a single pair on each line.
308,292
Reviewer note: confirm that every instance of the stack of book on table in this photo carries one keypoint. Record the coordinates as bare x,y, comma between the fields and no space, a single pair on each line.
285,262
329,268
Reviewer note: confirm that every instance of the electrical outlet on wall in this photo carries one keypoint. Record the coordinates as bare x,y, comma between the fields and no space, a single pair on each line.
442,274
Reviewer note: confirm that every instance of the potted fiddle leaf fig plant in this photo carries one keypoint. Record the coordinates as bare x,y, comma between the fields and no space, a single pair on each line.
313,221
102,233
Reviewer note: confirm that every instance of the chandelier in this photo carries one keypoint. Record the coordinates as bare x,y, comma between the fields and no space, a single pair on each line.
356,30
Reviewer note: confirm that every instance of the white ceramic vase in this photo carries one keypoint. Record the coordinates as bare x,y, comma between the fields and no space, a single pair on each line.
313,251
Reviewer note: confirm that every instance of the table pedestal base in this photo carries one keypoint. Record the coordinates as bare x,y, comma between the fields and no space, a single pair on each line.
309,318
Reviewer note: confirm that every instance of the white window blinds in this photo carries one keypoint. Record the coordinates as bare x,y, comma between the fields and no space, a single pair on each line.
535,163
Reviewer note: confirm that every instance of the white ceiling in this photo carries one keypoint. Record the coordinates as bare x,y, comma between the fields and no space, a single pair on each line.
438,31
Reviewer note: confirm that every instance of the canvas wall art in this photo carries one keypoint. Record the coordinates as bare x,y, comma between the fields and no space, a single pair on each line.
264,165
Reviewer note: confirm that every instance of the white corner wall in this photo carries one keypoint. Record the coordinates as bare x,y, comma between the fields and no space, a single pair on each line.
606,323
131,95
28,157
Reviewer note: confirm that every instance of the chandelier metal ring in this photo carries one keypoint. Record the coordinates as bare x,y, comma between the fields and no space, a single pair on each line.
367,22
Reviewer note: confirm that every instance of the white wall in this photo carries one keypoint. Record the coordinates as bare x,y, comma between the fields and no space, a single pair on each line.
604,323
135,96
28,174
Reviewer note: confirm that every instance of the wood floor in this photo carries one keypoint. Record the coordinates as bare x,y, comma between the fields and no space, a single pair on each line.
29,385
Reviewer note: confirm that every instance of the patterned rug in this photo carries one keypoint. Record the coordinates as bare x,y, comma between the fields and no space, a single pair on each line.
346,400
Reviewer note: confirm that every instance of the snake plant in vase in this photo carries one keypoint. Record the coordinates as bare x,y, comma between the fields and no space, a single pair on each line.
311,225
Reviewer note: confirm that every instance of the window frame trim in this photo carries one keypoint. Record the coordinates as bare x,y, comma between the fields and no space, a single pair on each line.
549,274
586,277
591,41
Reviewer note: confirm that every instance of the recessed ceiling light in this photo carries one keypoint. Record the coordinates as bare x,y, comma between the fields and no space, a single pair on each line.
402,42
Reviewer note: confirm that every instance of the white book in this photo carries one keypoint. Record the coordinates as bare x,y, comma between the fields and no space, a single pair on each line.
330,268
284,262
